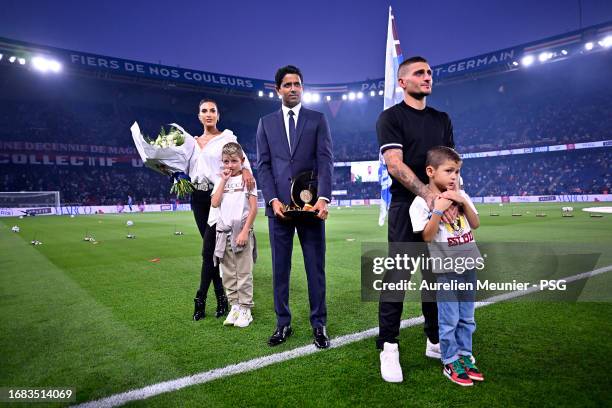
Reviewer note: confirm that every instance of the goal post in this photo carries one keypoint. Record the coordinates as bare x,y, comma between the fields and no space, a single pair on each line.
29,199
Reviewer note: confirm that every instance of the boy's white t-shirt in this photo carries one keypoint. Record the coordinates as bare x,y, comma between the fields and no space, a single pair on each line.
457,234
454,240
234,202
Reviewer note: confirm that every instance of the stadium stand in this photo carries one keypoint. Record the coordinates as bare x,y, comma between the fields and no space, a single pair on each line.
563,102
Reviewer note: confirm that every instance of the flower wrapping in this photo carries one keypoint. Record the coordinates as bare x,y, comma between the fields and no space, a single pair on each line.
168,154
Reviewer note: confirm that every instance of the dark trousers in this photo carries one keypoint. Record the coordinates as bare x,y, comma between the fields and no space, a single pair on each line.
200,205
311,234
390,313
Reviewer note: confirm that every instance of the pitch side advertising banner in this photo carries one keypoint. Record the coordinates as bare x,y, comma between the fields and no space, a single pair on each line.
92,209
123,209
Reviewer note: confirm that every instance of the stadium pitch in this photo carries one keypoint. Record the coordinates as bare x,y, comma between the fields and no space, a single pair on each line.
114,316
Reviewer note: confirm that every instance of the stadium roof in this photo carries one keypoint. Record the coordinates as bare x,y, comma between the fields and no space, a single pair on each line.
34,56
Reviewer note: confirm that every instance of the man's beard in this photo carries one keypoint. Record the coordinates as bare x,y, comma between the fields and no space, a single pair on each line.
419,95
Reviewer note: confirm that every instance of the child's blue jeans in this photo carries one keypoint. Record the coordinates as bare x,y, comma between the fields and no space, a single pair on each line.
456,316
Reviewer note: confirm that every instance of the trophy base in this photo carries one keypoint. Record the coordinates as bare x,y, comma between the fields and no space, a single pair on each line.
300,215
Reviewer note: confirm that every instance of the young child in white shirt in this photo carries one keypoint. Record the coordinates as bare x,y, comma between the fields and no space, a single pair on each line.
235,248
451,241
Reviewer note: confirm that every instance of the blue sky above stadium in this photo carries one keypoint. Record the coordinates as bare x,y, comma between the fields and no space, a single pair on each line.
332,41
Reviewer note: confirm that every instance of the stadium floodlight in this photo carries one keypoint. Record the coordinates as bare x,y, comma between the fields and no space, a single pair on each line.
271,95
21,61
260,94
589,46
381,92
564,52
527,60
1,56
328,98
307,97
360,95
372,93
55,66
606,42
545,56
40,64
12,59
316,98
344,97
516,64
352,96
43,64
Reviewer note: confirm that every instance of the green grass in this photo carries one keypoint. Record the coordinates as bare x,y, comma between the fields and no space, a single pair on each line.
105,319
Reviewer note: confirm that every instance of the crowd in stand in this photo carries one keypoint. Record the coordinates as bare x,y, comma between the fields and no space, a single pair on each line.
571,172
544,106
89,185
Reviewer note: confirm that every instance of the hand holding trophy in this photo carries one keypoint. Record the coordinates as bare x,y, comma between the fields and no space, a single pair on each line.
303,197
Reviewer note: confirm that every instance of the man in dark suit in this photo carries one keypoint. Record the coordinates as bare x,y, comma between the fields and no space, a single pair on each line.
291,141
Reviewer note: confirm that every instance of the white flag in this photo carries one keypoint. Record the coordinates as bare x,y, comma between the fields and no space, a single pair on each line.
393,95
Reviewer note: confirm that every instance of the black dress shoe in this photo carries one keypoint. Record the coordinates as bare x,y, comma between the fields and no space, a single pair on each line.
280,335
320,337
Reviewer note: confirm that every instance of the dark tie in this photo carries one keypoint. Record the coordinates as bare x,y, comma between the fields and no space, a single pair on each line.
292,131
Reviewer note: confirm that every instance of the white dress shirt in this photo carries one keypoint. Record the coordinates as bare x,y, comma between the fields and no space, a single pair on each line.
205,164
296,111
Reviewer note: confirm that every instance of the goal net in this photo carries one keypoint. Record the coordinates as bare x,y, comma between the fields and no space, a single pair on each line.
29,199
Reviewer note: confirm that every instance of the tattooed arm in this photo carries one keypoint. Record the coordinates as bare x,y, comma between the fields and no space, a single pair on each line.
394,158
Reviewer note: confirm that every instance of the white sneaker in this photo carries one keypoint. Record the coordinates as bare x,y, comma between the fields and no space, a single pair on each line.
244,319
433,350
232,316
390,368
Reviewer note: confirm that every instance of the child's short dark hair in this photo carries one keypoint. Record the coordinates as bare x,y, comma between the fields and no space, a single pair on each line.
439,154
232,148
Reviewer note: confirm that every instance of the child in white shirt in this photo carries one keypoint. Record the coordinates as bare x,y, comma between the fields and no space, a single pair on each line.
235,244
451,241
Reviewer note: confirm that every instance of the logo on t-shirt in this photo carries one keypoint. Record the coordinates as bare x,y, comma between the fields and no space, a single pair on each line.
456,232
234,185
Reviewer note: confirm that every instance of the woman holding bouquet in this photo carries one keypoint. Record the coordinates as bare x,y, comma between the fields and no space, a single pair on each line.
204,170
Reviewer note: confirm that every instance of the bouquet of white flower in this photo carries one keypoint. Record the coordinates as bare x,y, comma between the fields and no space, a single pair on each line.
173,138
168,154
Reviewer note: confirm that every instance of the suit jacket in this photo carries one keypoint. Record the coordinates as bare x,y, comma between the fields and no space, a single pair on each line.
277,165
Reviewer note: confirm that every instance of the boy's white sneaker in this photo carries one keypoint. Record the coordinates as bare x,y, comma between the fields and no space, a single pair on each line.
433,350
390,368
244,318
232,316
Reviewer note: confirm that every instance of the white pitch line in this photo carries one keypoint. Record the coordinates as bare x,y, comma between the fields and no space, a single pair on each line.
260,362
